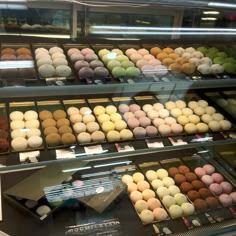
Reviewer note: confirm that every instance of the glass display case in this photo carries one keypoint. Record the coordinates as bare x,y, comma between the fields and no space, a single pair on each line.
117,118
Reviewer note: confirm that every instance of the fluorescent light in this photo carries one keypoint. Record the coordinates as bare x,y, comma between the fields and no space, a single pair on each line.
130,30
62,36
76,169
16,64
221,4
163,33
135,39
208,18
211,12
13,6
158,28
113,164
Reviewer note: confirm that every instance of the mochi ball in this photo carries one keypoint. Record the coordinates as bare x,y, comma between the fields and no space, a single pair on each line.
147,108
214,125
153,114
163,113
164,129
177,128
190,128
170,105
217,117
180,104
176,112
137,177
158,106
210,110
111,109
170,121
225,125
151,175
203,103
187,111
206,118
193,104
194,119
199,111
183,120
158,121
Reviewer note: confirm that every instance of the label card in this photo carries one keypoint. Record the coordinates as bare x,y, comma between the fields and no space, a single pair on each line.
65,154
96,149
29,157
177,141
124,147
154,144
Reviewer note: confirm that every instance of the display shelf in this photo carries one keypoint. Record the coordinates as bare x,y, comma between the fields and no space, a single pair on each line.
76,212
123,25
12,92
12,163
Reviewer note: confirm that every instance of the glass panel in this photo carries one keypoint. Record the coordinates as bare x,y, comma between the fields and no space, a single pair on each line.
211,22
35,21
126,25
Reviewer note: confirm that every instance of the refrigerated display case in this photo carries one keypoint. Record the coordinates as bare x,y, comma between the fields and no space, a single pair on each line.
119,119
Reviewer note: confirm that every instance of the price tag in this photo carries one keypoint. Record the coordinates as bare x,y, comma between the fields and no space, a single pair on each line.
55,78
124,147
200,139
29,157
96,149
65,154
154,144
177,141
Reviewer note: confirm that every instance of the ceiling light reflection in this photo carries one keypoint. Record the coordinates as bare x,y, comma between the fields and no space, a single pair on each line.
221,4
211,12
208,18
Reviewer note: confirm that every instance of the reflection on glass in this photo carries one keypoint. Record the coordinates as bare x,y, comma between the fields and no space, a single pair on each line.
14,20
125,25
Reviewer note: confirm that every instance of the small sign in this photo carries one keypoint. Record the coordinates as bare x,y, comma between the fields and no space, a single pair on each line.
29,157
192,222
154,144
65,154
177,141
96,149
124,147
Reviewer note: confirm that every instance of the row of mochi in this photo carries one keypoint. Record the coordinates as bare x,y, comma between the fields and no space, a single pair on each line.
52,62
186,60
118,64
87,63
25,131
144,199
146,120
174,201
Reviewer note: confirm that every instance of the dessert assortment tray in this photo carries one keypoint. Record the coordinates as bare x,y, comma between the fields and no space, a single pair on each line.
181,190
75,122
62,64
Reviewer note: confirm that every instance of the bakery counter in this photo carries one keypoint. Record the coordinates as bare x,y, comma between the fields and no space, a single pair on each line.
66,210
